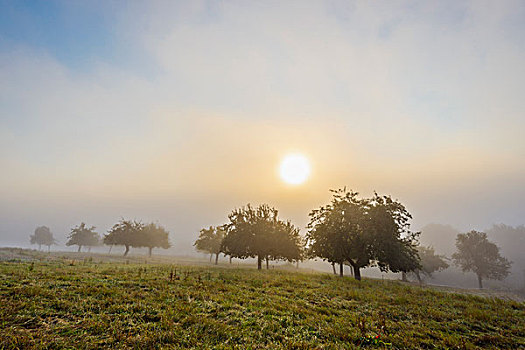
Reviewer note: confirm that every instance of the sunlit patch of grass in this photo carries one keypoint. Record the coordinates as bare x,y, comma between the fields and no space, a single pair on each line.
57,304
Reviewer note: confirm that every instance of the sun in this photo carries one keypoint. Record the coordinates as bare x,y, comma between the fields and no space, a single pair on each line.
294,169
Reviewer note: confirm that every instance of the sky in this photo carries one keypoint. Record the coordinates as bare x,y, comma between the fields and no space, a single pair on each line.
178,112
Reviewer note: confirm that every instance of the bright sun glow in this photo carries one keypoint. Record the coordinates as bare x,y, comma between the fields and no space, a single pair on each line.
294,169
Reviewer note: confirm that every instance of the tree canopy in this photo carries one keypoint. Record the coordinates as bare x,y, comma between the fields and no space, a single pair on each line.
83,235
511,240
477,254
210,241
430,262
131,233
155,236
363,232
126,233
288,243
258,232
43,236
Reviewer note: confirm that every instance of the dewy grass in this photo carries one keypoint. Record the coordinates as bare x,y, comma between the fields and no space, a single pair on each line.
85,305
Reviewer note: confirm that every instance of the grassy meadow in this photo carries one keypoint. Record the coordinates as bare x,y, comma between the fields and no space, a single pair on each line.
61,302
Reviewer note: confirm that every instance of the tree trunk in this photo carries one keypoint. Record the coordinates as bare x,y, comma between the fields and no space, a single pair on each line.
357,273
127,250
333,268
230,259
480,282
150,249
259,262
211,256
404,276
48,248
267,267
110,247
297,264
418,275
216,258
79,248
341,269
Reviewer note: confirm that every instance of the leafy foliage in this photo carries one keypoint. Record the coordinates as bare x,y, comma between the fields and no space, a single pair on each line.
83,235
43,236
155,236
477,254
512,242
288,243
210,241
136,234
430,262
258,232
363,232
126,233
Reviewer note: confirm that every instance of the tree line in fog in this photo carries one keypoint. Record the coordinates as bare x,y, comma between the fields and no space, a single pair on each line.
350,230
127,233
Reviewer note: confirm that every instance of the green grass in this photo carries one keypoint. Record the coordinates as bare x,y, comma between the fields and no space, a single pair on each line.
59,304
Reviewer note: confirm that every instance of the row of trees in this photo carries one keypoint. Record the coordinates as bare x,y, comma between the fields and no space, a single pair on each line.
350,230
127,233
474,253
354,231
137,235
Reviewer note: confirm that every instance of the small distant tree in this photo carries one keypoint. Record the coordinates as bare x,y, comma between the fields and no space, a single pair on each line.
155,236
430,262
83,235
127,233
43,236
477,254
210,241
110,240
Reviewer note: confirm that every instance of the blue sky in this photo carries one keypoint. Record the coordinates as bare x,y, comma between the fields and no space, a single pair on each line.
139,107
74,33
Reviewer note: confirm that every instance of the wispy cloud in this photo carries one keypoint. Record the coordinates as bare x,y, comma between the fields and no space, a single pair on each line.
202,99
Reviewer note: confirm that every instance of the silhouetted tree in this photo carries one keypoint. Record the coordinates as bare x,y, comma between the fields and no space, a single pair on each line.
110,240
511,241
43,236
82,235
334,229
210,241
363,232
430,262
127,233
155,236
258,232
477,254
288,243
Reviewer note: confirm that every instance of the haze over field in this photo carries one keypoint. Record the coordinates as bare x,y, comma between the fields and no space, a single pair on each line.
178,112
